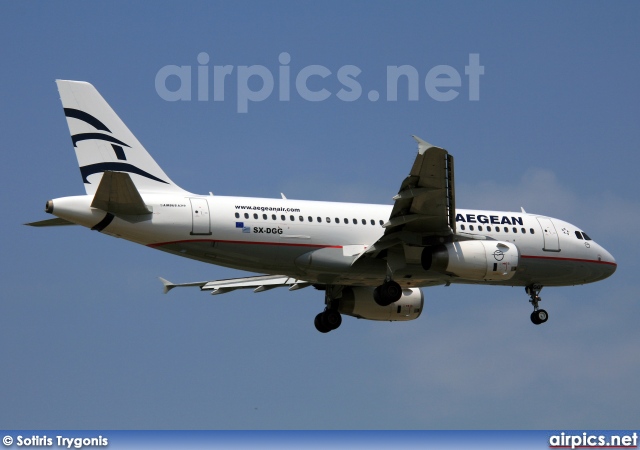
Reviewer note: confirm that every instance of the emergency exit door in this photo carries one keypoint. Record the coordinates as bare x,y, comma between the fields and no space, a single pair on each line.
550,235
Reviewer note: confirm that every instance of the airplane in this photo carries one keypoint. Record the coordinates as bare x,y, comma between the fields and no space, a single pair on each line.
369,260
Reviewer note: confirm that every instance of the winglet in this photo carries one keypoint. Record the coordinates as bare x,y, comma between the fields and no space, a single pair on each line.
168,285
423,146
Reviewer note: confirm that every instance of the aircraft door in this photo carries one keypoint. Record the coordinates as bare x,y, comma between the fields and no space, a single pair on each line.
200,216
551,241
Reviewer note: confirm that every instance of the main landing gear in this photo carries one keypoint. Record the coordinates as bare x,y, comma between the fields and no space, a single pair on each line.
538,316
330,318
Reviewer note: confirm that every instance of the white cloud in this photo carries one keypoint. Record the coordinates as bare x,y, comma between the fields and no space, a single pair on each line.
540,191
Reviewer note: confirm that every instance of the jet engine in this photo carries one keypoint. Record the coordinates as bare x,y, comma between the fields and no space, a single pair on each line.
473,260
358,302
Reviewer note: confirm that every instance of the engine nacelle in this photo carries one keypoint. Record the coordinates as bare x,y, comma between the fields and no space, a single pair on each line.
358,302
473,260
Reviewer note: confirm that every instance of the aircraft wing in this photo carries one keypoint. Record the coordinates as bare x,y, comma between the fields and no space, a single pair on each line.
424,209
259,283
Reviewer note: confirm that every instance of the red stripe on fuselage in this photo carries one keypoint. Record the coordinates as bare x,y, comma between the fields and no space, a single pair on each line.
286,244
569,259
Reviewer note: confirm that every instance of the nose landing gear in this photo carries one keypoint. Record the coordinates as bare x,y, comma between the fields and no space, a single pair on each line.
538,316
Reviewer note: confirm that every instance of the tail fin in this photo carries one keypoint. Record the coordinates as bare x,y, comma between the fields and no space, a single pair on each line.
104,143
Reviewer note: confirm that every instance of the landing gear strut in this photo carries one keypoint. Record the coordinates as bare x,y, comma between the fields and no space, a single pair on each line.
538,316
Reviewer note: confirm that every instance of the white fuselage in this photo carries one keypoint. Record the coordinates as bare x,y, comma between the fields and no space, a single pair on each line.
276,236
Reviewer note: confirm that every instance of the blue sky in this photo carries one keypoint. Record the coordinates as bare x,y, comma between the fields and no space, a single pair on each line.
88,339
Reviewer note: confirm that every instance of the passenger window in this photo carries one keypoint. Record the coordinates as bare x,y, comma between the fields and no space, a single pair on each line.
319,219
237,215
524,230
346,221
373,222
255,215
283,218
264,217
301,219
488,228
532,231
381,223
587,238
355,221
515,230
364,222
470,227
328,220
462,227
310,219
506,230
292,218
246,215
479,227
337,220
273,217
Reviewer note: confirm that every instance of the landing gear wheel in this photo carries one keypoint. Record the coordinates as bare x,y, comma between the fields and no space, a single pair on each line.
539,316
331,319
319,323
328,320
387,293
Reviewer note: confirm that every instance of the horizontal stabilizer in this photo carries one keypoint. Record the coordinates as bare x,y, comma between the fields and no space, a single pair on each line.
259,283
57,222
118,195
168,285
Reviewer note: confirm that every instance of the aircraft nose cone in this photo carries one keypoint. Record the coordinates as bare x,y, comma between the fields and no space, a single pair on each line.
608,265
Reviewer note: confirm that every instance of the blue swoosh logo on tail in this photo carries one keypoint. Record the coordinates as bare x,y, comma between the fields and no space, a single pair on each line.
116,167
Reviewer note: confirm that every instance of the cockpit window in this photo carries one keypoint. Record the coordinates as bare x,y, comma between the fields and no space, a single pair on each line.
578,235
586,237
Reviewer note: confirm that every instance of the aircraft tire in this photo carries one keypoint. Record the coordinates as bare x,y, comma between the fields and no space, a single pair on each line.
539,316
331,319
387,293
319,323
